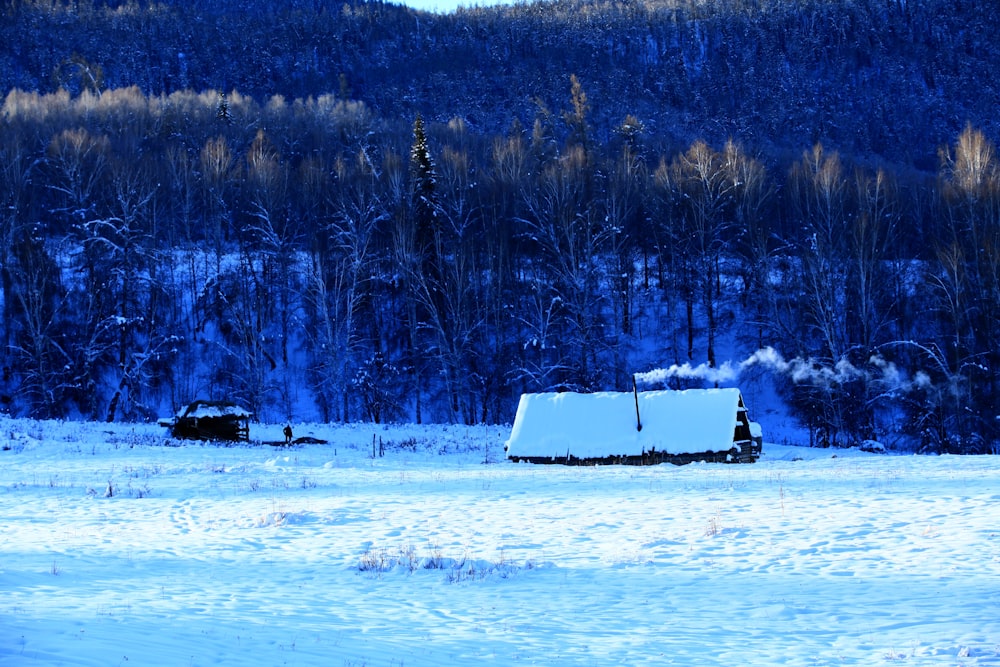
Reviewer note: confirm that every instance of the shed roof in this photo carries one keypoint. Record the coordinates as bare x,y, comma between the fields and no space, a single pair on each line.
604,424
212,409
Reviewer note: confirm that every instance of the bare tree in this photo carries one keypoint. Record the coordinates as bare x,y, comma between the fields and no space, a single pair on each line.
624,208
702,190
15,174
818,190
340,283
874,236
756,247
451,294
181,186
77,161
504,181
245,369
274,234
37,319
218,170
969,282
564,226
121,248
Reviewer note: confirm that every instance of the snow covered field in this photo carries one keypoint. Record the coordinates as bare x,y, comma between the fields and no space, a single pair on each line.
442,553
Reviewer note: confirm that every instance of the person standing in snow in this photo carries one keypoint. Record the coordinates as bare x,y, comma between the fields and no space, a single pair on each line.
288,434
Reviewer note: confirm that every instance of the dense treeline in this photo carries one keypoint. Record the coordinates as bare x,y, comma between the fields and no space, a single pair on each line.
326,252
308,253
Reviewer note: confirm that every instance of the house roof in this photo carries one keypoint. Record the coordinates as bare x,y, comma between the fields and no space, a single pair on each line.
604,424
212,409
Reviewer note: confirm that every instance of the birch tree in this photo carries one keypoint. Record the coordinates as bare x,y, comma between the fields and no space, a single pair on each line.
969,280
563,226
340,284
701,193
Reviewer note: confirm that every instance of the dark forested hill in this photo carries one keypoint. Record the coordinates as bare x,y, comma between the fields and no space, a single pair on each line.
892,78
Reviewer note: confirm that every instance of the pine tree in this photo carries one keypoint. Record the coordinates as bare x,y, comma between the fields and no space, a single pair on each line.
423,183
222,110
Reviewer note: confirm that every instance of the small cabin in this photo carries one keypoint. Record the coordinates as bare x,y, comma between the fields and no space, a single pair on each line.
210,420
634,428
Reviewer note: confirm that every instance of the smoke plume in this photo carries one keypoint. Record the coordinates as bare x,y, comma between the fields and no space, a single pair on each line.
878,370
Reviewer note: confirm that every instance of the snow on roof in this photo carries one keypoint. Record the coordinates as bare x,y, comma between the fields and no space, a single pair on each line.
206,409
604,424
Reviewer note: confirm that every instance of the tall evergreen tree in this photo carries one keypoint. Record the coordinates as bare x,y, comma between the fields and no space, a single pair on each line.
423,184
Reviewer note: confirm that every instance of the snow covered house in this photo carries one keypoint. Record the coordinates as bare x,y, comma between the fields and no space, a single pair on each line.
210,420
637,428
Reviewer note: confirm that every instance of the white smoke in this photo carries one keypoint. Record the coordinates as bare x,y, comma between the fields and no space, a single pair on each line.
878,370
727,372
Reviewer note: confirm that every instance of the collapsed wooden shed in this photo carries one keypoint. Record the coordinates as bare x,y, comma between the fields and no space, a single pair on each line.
210,420
640,428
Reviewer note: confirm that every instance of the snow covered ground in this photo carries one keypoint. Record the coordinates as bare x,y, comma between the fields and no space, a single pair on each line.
443,553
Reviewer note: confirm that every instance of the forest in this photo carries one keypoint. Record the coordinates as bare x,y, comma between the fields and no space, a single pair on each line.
359,211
